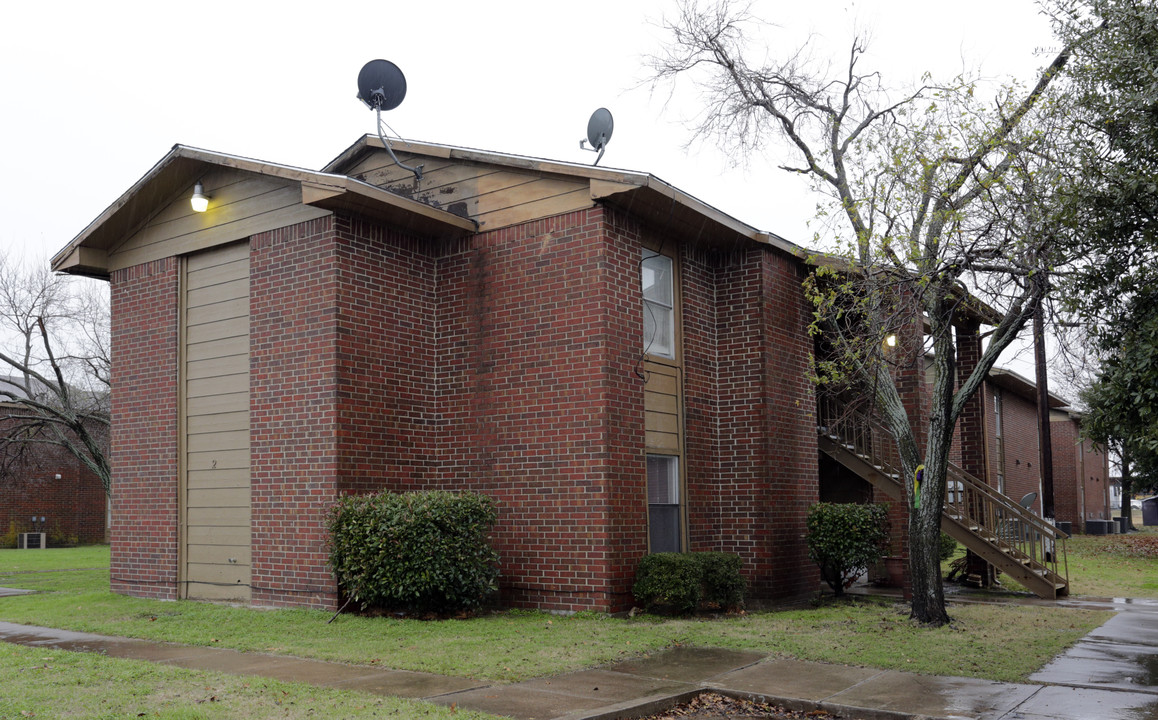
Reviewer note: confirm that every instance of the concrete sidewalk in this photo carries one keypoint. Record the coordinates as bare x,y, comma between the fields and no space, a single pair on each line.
1107,675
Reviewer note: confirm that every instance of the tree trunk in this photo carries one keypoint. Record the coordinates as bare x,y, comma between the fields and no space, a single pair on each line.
1127,511
928,604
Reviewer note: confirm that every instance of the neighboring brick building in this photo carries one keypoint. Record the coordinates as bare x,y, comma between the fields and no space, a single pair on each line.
1079,470
620,366
48,481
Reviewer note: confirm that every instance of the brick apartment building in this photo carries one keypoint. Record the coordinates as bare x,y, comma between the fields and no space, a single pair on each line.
46,481
1080,471
622,367
619,365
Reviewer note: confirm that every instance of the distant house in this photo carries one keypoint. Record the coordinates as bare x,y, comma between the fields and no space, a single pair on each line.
46,481
622,367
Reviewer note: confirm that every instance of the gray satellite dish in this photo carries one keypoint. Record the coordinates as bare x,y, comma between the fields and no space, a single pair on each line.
1027,500
599,129
382,86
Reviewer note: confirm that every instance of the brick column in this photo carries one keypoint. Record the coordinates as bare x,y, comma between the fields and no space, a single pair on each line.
971,431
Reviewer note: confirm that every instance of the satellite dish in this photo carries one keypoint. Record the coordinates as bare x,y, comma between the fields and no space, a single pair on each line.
599,129
381,85
1027,500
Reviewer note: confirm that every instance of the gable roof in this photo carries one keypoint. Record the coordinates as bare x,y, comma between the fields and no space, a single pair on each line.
654,201
248,208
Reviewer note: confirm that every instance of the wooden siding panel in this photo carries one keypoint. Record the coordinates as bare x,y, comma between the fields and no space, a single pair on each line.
241,204
493,197
215,397
215,404
219,422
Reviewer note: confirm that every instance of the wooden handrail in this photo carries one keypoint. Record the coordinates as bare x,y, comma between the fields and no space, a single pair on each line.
980,510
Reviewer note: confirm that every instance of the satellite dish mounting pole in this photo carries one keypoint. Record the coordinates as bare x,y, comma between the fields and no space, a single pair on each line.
417,170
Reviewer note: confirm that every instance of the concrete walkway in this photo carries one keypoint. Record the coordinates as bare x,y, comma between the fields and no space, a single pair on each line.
1112,673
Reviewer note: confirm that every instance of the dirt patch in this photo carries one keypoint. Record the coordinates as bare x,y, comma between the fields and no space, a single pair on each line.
712,706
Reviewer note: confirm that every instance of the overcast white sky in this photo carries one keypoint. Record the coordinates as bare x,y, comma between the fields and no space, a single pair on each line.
92,94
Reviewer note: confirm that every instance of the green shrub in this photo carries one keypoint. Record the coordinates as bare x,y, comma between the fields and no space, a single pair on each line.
422,552
8,539
948,547
844,539
684,581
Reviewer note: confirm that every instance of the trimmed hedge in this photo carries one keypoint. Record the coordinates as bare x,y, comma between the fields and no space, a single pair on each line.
423,551
684,581
844,539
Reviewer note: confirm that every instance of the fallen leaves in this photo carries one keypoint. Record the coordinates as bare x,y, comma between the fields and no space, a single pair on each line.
713,706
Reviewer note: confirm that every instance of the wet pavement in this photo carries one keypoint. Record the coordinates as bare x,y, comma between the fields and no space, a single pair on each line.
1112,673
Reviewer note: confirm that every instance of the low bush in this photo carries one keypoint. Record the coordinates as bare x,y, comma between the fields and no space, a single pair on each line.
844,539
948,547
686,581
419,552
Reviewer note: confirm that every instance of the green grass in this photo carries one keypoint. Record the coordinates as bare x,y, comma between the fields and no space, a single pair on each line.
41,683
1099,568
22,561
998,643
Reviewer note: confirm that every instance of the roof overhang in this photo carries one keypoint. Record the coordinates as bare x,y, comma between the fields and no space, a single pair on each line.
660,204
87,253
1009,380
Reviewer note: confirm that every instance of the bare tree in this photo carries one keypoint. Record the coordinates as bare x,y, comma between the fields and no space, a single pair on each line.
937,202
54,366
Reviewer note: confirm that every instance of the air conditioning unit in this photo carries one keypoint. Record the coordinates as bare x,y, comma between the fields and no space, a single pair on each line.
32,541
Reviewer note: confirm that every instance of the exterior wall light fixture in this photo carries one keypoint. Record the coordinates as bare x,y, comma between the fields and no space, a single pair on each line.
199,201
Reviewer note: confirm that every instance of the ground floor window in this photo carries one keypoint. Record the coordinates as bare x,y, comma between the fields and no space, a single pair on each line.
663,502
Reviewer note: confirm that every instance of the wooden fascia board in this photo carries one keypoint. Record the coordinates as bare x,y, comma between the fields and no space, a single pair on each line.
89,262
359,197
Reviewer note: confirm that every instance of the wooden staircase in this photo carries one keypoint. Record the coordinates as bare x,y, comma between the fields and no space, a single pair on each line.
1009,537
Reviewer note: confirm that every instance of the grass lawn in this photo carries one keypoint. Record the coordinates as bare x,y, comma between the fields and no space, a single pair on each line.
1115,565
41,683
993,642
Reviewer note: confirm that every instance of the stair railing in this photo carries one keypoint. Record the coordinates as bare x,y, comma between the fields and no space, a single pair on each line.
988,514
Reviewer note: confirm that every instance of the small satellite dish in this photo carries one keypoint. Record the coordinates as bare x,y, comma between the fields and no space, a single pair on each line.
1027,500
599,129
381,85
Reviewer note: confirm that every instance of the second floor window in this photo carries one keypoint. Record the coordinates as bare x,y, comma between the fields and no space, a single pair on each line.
658,305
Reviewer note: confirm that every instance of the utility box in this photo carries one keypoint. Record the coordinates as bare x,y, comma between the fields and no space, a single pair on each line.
32,541
1097,527
1150,511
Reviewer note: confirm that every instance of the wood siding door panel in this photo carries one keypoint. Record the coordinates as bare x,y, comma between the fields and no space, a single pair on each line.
215,401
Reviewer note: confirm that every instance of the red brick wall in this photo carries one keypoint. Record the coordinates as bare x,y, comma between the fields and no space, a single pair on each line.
144,430
1095,476
1067,471
293,410
751,428
73,504
506,363
385,361
539,406
1019,424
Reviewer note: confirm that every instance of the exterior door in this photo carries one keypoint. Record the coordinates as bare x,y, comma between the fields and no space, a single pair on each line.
215,401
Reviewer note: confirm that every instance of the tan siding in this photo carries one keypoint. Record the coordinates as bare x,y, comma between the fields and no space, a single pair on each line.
663,409
241,204
494,198
215,377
